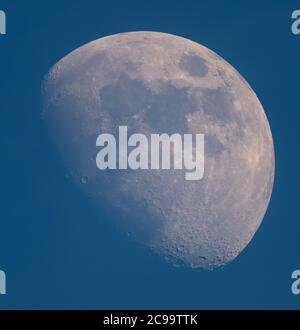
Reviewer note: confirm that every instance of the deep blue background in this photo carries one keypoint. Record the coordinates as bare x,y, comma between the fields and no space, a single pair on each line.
57,252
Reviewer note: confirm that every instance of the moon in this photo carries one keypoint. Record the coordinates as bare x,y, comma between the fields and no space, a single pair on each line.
155,82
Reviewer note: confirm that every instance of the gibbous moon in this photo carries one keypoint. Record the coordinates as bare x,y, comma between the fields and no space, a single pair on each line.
156,83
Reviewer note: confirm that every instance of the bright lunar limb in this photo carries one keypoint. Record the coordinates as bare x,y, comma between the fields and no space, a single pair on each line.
160,83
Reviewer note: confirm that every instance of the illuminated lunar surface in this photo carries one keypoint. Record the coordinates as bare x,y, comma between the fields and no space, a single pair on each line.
160,83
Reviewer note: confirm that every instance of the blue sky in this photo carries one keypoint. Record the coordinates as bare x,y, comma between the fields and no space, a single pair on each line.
60,253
